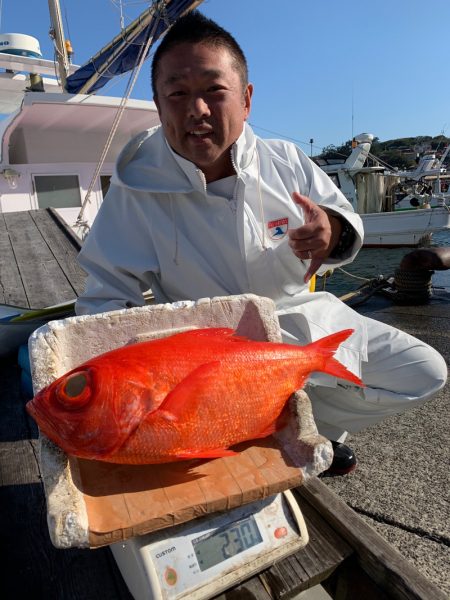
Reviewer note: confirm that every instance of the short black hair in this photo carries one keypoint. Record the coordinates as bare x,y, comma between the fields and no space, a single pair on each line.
194,28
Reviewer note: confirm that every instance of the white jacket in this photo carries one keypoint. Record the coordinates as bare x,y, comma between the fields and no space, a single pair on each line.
159,229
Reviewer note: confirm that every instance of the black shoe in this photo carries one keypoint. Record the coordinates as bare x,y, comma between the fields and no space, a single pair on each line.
344,460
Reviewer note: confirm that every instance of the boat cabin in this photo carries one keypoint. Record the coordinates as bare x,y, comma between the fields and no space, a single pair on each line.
51,146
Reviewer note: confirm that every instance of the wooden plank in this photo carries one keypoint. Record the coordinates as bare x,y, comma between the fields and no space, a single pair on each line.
63,245
11,286
15,424
43,279
19,464
68,231
382,562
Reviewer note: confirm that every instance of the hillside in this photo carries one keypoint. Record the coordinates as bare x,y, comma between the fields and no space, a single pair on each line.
401,152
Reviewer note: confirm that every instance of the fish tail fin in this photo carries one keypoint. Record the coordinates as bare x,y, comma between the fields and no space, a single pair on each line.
326,347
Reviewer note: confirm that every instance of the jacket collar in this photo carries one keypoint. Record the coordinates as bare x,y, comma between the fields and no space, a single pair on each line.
241,155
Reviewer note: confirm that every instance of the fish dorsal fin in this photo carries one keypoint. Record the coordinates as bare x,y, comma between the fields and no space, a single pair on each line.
207,332
219,334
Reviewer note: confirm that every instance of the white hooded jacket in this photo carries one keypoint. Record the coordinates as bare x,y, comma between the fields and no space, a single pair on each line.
159,228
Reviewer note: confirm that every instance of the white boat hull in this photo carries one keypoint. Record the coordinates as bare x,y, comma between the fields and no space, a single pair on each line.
404,228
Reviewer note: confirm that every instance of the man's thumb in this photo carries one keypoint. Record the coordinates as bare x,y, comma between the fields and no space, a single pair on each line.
304,202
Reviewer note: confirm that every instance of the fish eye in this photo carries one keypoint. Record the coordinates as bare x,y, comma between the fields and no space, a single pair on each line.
74,390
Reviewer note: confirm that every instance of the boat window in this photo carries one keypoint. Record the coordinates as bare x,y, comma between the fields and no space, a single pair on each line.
57,191
104,183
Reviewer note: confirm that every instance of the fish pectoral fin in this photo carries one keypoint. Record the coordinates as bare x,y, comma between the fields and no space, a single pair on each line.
212,453
188,395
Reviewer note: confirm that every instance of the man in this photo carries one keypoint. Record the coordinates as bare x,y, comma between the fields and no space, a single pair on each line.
201,207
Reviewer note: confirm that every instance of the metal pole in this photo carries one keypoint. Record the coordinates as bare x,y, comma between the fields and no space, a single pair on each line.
57,34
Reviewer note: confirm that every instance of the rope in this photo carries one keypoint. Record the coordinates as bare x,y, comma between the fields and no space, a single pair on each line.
353,276
261,206
134,75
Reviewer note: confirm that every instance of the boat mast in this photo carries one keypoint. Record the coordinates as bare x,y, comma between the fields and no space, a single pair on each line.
57,34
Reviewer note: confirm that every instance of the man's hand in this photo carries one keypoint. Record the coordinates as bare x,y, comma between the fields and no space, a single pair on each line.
316,239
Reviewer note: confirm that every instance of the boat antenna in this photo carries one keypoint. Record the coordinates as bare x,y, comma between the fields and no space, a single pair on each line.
353,112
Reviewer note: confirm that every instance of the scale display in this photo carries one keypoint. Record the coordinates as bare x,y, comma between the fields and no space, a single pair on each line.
213,548
197,560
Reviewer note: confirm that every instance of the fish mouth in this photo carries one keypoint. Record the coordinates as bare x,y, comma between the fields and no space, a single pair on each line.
41,417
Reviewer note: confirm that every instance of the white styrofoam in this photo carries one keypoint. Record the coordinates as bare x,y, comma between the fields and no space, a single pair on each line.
61,345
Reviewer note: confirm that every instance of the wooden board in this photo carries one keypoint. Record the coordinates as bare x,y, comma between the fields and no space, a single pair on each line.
40,259
63,244
11,286
125,500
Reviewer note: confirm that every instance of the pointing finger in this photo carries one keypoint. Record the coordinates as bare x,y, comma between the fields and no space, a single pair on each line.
314,266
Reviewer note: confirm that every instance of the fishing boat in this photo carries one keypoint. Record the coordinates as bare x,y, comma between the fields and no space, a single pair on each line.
60,138
373,192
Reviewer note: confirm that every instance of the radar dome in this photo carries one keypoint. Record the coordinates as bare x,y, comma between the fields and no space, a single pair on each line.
20,45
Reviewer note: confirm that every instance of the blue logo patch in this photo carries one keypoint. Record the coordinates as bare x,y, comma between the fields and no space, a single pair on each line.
278,228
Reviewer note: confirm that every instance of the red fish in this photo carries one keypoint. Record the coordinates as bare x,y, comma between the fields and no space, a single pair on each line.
190,395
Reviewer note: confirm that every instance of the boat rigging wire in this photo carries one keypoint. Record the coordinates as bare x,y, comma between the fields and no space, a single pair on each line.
160,10
66,19
285,136
381,162
120,4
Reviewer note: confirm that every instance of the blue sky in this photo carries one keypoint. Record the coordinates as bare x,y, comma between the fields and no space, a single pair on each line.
323,70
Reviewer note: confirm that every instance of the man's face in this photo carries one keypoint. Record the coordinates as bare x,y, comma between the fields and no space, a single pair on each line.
202,105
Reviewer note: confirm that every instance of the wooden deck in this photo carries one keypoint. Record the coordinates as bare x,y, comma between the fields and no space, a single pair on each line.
38,268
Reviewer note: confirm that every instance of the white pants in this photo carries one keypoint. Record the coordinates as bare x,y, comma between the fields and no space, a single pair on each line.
401,373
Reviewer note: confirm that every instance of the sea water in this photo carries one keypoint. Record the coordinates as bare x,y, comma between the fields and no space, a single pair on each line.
379,262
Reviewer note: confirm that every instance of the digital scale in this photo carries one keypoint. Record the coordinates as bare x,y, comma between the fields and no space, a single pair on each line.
200,559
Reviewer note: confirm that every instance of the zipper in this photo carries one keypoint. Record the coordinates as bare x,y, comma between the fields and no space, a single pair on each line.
203,180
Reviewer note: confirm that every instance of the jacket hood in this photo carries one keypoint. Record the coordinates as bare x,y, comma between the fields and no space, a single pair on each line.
147,163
